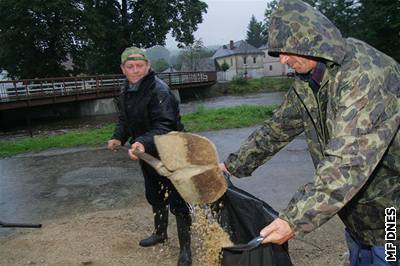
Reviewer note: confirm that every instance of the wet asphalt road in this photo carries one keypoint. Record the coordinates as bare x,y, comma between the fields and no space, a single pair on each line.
61,182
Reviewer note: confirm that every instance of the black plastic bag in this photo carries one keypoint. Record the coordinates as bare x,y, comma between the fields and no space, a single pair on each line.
243,216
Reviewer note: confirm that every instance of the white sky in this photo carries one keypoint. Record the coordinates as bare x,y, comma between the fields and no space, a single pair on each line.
226,20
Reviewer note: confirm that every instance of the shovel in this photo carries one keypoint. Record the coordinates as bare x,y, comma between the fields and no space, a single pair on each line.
252,244
190,161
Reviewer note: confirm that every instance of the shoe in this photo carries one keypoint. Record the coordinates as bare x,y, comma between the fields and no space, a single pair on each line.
160,228
183,223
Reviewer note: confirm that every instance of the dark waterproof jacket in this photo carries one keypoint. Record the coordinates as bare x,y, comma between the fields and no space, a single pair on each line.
351,124
149,111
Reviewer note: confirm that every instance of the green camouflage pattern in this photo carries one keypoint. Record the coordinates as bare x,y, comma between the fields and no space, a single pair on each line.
296,28
351,126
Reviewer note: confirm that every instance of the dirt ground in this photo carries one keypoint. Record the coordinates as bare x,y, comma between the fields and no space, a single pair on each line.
111,238
92,206
94,213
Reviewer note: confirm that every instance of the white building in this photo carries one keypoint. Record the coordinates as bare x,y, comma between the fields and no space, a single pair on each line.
243,59
272,67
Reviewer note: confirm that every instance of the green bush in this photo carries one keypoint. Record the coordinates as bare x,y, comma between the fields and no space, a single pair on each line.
240,80
224,67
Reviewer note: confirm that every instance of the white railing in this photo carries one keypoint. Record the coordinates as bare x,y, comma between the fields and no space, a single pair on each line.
36,88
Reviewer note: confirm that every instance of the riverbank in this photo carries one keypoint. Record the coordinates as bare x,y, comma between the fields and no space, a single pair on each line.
59,126
200,120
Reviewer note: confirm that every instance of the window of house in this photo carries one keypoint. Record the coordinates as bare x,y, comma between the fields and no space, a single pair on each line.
231,62
244,60
254,60
270,67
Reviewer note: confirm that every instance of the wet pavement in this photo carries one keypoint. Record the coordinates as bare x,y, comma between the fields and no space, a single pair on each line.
60,182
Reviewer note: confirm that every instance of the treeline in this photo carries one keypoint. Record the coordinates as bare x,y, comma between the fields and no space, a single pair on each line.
39,38
377,22
192,57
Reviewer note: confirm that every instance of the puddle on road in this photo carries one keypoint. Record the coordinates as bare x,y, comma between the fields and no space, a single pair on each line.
93,176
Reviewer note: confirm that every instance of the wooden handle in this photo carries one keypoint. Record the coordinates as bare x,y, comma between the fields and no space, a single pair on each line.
154,162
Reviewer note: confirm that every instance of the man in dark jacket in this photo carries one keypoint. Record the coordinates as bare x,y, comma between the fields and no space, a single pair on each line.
148,108
346,99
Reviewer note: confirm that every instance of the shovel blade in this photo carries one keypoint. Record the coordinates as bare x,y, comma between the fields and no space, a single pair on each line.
194,161
199,185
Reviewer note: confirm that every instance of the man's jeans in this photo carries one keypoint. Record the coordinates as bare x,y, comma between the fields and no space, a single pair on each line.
361,255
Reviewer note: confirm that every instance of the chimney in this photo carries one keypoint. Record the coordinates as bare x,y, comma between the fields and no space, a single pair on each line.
231,46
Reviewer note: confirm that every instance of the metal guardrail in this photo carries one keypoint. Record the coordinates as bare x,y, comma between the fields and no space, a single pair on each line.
27,89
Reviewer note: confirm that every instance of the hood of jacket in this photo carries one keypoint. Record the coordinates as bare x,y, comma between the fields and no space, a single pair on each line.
300,29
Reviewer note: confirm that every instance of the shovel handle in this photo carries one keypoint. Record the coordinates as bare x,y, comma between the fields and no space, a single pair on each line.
153,162
10,225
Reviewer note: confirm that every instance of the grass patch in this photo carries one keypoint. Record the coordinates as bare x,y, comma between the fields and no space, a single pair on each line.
201,120
230,117
270,84
69,139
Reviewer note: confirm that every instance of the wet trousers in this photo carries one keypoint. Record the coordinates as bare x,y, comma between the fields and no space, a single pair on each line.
361,255
160,192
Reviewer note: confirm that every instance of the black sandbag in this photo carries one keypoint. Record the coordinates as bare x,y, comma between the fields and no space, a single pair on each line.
244,216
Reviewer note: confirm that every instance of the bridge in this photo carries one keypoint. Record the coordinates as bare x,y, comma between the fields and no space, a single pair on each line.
17,94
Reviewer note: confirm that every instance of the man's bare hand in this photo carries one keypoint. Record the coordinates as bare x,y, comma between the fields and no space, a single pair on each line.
113,144
277,232
223,168
135,146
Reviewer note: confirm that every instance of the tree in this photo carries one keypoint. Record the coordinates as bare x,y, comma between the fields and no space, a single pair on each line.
103,39
159,65
177,60
140,23
343,13
372,21
37,36
191,58
224,67
92,32
191,55
255,33
271,6
158,52
379,25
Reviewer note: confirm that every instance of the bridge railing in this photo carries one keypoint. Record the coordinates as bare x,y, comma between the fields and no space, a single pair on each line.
55,87
39,88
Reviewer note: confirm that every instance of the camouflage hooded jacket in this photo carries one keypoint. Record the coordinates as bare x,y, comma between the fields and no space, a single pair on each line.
351,124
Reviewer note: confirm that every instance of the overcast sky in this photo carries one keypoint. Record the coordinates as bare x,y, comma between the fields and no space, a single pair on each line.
226,20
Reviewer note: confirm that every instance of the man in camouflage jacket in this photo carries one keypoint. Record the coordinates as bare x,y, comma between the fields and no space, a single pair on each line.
345,98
